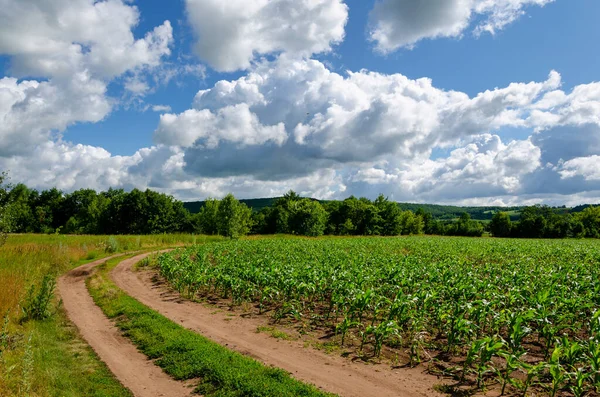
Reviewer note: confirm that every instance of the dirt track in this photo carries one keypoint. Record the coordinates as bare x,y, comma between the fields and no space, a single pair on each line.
329,372
131,367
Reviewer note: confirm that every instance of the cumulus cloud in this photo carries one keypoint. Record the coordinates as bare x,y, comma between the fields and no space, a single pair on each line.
290,112
288,119
29,110
230,34
59,37
587,167
65,54
403,23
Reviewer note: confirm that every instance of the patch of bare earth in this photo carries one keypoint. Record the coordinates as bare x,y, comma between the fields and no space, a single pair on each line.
131,367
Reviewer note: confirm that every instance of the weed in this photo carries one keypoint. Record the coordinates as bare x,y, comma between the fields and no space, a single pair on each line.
37,304
112,245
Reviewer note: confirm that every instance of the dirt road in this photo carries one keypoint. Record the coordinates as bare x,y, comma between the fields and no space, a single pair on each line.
329,372
131,367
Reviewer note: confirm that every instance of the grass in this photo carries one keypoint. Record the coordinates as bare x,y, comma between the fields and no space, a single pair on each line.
48,358
184,354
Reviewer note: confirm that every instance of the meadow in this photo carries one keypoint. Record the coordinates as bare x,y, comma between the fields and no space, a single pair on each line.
514,315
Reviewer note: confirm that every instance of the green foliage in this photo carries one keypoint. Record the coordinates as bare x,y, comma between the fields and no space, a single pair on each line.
208,218
501,226
590,219
23,210
112,245
301,216
37,303
234,219
5,220
506,305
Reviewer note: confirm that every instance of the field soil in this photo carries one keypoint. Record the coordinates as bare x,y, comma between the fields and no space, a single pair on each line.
329,372
131,367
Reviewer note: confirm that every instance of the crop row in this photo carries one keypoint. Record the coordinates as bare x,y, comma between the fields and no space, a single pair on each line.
522,311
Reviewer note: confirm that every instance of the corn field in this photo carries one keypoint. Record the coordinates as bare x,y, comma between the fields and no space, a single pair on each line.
519,314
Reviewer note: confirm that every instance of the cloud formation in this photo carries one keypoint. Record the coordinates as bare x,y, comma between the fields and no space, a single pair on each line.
68,51
403,23
231,34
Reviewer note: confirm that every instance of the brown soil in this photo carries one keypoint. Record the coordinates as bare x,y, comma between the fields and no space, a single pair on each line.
329,372
131,367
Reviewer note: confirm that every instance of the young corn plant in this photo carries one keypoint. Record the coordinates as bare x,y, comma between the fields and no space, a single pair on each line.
593,354
512,364
517,332
577,382
382,332
532,372
344,327
556,371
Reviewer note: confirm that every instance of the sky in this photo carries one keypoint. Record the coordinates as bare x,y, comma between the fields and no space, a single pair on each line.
472,102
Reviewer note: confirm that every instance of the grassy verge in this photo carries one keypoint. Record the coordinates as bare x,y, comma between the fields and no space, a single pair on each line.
48,358
184,354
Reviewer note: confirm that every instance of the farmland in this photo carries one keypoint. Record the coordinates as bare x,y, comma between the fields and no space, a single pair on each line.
516,315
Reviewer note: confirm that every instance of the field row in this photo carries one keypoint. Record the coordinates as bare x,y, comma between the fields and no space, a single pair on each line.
523,312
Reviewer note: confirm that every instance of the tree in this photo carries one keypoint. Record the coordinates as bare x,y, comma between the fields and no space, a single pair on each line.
390,216
4,222
501,225
590,218
234,218
308,218
207,219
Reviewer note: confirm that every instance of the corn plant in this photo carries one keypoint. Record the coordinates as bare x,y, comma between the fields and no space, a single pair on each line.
446,295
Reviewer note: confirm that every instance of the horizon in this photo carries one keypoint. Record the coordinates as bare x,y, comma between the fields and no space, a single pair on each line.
476,103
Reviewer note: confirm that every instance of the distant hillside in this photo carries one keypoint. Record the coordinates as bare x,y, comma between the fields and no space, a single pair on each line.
438,211
255,204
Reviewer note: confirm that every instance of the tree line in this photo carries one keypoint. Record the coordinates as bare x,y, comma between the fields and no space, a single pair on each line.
85,211
545,222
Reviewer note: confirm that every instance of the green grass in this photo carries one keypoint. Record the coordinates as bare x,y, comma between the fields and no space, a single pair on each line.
49,358
184,354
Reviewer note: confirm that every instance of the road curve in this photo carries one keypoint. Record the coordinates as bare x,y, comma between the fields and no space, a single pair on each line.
131,367
331,373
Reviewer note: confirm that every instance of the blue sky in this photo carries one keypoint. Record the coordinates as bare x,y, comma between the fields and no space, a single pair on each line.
452,113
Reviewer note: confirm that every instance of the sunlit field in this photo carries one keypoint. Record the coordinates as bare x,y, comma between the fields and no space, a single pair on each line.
517,314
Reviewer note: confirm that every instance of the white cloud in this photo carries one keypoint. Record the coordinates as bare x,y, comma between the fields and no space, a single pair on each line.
289,118
73,49
230,34
403,23
320,118
161,108
30,110
57,38
587,167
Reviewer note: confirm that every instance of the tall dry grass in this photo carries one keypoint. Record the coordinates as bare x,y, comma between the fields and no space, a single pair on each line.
24,260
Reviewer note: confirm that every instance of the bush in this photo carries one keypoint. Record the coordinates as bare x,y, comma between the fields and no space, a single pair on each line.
37,304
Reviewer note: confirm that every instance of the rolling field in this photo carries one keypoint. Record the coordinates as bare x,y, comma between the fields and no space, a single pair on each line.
513,315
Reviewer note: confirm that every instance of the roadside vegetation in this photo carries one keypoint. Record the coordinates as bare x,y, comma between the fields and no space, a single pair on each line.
40,350
518,314
184,354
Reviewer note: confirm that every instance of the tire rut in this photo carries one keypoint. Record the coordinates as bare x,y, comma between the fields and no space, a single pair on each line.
132,368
